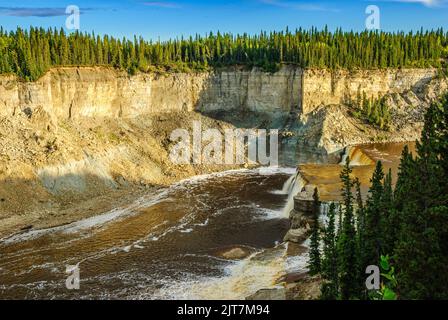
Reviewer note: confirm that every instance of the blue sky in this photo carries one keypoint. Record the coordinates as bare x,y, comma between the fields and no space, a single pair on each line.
173,18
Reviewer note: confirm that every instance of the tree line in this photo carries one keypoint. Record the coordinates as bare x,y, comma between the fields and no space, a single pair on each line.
401,229
29,53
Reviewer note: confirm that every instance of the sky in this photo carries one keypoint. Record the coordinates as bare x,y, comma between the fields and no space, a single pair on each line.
174,18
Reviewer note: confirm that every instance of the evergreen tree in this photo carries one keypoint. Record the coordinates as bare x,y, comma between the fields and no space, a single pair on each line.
360,233
315,259
373,219
347,246
389,228
31,53
411,222
421,251
330,288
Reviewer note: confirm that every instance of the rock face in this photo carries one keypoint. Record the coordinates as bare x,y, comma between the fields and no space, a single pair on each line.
324,87
301,216
69,93
269,295
315,97
253,90
332,127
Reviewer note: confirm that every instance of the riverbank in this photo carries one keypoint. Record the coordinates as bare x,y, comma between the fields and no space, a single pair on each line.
71,170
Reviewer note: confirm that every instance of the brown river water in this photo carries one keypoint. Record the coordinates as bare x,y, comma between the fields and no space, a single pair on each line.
169,245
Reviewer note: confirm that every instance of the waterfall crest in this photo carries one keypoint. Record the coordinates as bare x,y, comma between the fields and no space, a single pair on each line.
288,184
357,157
292,187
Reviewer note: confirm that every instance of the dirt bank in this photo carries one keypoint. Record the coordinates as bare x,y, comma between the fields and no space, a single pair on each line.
53,173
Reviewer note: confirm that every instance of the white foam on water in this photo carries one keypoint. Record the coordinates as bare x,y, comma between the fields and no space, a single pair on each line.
268,214
51,267
88,223
241,279
266,171
203,224
144,202
295,187
279,192
297,264
289,184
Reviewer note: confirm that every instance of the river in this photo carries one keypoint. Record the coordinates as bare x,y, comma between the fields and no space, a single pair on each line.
167,245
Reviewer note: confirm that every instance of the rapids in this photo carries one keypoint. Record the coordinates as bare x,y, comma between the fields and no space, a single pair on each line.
171,244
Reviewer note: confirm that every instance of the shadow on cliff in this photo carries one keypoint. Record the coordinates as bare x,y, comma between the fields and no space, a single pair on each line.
236,113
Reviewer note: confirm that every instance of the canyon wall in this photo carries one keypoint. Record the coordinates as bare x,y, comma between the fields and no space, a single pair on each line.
253,90
324,87
100,92
103,92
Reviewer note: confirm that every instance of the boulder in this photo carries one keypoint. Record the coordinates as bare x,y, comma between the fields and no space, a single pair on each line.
297,235
269,294
235,254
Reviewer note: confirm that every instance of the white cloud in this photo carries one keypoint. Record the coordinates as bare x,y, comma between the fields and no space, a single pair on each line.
427,3
298,5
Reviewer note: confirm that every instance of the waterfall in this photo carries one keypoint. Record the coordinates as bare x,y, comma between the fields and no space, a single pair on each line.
324,208
347,153
357,157
294,185
323,213
288,184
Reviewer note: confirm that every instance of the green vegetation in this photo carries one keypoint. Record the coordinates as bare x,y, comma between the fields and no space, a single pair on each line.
373,111
330,288
29,53
389,283
315,260
409,222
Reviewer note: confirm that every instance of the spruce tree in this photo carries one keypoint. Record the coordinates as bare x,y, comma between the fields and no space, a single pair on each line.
347,247
421,251
360,233
330,287
315,259
389,220
373,219
305,48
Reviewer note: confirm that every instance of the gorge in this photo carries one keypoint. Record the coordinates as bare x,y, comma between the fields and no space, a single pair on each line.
87,180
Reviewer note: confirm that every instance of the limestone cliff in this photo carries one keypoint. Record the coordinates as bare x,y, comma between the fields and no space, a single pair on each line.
332,127
280,92
68,93
324,87
102,92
